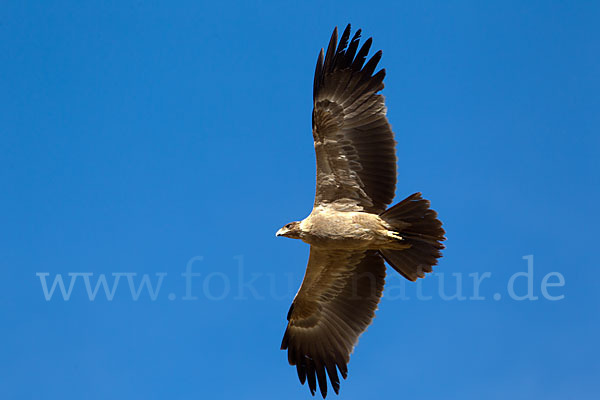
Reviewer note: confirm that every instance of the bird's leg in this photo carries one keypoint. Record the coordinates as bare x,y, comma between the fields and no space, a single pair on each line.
394,235
397,242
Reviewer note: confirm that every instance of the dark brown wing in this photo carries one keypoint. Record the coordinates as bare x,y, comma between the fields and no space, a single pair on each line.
354,144
335,304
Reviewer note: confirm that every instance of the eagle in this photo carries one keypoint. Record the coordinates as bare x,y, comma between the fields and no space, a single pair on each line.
350,230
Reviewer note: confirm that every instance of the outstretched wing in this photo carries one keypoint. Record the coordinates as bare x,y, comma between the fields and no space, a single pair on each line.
354,143
335,304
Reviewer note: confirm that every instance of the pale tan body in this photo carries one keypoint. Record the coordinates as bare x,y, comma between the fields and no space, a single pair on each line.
351,230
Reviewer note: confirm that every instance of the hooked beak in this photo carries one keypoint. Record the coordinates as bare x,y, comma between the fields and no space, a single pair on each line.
281,232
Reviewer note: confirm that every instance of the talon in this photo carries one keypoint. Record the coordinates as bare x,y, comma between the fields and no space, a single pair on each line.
395,235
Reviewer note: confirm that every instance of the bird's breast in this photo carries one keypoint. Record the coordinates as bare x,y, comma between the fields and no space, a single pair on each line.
341,229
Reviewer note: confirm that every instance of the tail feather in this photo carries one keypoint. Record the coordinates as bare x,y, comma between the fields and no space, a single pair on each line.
420,227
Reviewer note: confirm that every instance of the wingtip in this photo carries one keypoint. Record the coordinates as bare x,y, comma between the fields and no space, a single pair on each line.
347,30
344,372
336,389
334,33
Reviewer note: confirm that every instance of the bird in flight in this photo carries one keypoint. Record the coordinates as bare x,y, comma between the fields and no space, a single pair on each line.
350,229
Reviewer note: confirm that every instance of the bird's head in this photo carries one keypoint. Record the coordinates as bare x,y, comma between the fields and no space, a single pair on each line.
291,230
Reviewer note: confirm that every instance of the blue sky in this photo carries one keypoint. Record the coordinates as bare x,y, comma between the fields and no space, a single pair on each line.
143,137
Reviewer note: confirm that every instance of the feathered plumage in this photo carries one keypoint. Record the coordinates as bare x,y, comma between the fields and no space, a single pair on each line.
349,229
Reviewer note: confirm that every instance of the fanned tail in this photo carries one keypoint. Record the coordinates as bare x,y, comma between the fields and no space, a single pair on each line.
419,226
